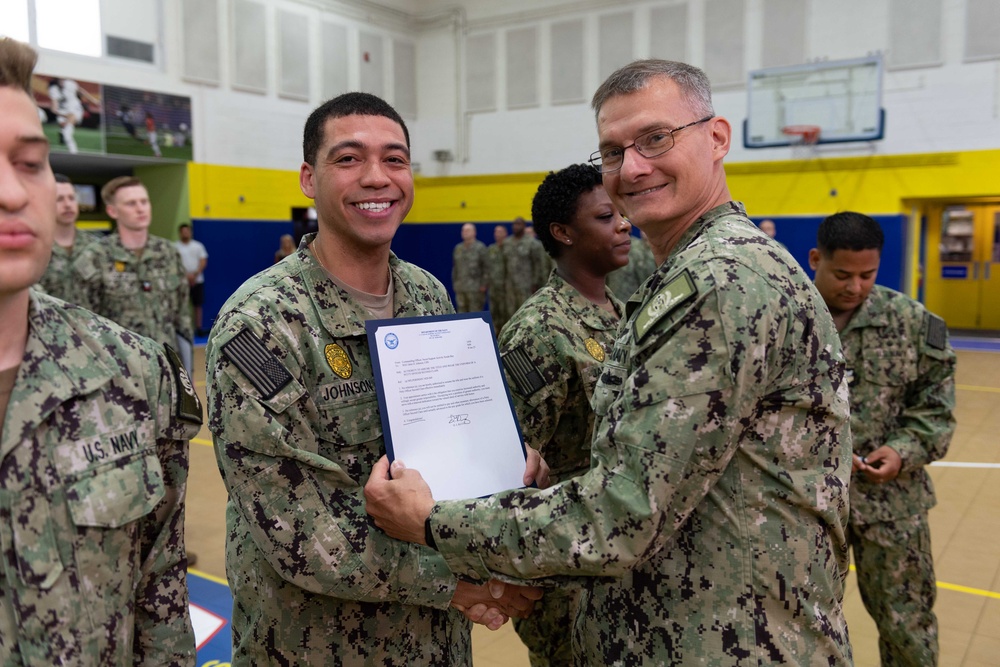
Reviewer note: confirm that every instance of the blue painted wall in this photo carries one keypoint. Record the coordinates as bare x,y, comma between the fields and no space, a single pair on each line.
238,249
799,236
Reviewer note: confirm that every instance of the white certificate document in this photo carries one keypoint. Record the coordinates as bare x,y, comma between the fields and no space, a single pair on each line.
445,407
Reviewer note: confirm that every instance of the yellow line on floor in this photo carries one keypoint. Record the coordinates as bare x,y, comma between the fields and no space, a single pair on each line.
205,575
960,589
970,591
969,387
200,441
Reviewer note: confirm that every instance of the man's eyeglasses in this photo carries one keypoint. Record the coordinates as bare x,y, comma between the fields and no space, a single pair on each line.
649,145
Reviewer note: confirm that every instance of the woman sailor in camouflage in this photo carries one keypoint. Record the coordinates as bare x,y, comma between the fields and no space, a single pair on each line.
553,349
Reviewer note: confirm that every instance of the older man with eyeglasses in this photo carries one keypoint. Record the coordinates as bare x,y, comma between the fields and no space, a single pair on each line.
717,494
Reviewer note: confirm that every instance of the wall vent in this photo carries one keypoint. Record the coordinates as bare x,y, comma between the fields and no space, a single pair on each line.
129,48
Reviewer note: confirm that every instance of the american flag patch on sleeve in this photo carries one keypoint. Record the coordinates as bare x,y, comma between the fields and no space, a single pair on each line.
258,364
522,371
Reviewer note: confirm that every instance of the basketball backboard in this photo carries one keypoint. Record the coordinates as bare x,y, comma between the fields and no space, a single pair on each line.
843,98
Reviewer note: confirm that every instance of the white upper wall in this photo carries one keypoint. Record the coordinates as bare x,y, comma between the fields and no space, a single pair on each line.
267,63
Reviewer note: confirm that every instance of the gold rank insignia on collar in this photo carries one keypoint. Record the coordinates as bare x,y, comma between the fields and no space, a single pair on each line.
339,362
120,267
594,349
677,291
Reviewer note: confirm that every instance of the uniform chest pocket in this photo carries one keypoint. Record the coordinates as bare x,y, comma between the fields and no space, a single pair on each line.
36,548
351,435
893,369
117,493
609,386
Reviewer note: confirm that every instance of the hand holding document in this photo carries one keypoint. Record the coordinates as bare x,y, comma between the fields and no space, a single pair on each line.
445,408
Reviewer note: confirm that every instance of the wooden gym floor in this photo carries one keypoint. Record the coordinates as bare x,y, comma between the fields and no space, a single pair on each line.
965,531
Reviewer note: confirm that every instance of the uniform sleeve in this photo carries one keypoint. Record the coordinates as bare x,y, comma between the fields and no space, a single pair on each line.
659,449
540,265
163,633
534,375
304,513
926,423
484,266
87,272
182,318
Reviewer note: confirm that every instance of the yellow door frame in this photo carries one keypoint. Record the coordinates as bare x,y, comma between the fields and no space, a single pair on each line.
958,304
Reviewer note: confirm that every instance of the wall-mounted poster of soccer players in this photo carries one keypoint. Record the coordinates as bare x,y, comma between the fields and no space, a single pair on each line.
70,111
88,117
140,122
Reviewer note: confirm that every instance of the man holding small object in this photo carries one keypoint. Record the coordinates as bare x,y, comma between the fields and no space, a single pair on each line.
902,386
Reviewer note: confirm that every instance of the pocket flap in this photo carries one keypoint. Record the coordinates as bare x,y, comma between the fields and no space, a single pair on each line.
118,493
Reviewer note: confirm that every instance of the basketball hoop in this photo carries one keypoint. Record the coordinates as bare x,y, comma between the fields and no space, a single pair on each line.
806,135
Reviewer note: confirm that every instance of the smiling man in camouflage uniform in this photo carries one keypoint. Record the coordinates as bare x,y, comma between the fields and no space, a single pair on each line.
720,462
902,385
93,453
294,411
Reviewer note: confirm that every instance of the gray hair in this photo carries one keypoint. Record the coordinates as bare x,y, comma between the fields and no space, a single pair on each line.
633,77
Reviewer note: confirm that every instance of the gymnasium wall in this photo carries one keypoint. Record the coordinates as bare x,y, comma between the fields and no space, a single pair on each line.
241,212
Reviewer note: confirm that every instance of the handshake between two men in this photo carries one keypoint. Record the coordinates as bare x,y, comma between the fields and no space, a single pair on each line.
401,505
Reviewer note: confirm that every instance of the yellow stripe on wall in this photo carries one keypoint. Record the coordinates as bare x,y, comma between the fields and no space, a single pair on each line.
875,184
474,198
267,194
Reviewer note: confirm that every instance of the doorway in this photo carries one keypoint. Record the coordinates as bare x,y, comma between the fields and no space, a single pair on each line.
963,264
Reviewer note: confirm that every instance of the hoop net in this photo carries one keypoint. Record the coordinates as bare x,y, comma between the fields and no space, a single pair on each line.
803,138
805,134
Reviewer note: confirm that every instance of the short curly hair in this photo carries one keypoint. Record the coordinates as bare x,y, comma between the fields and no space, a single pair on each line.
348,104
558,198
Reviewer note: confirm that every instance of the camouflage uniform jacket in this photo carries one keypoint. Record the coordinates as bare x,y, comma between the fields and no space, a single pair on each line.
641,264
468,272
902,384
148,295
720,464
93,470
496,268
296,434
564,337
59,279
527,268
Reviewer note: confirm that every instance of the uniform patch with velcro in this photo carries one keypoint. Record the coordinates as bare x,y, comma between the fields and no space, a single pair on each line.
521,369
674,293
257,363
937,332
188,405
